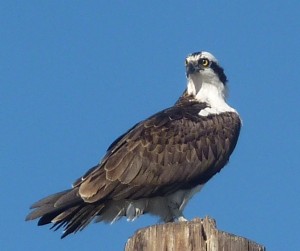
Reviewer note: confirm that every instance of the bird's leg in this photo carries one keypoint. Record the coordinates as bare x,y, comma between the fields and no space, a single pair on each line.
181,218
176,213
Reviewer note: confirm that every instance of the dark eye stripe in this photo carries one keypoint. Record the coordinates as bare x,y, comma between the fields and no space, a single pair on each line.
219,71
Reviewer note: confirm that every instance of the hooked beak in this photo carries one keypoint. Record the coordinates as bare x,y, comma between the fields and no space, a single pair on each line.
192,68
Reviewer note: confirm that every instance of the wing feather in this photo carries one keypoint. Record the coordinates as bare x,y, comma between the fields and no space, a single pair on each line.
169,150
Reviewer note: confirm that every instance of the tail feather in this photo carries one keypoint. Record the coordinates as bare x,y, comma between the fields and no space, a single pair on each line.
64,214
45,207
48,200
79,219
65,209
69,198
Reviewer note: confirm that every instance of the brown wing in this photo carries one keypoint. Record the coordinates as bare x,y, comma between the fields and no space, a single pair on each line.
171,150
174,149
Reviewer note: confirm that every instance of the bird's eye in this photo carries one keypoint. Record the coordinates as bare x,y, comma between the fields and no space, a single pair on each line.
185,62
204,62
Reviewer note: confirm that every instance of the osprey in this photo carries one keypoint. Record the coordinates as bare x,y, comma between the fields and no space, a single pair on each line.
158,164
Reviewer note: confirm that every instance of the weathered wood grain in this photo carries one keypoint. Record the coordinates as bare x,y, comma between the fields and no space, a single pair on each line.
198,234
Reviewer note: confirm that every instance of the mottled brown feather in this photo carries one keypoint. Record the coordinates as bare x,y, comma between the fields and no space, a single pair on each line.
173,149
150,154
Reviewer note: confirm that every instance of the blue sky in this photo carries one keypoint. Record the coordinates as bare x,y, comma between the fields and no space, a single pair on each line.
74,75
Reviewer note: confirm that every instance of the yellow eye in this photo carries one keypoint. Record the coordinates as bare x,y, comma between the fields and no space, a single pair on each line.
204,62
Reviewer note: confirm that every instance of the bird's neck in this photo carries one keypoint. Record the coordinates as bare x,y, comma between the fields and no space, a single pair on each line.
213,94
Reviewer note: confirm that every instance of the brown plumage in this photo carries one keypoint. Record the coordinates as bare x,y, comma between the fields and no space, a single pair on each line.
153,168
174,149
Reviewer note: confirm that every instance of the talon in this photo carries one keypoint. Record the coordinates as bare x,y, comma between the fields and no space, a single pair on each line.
182,219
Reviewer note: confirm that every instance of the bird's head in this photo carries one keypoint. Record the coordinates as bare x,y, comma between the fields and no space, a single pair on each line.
204,72
204,65
206,82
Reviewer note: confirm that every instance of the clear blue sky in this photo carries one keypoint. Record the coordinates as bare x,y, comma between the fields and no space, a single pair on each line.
74,75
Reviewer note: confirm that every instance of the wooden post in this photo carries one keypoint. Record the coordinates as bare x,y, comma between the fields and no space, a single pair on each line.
198,234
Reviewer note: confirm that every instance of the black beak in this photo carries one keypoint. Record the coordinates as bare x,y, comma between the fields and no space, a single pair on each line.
191,68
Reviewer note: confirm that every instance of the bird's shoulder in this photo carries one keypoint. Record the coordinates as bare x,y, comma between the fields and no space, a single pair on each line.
160,122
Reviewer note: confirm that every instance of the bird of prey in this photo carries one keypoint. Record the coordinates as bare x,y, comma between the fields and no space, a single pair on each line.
158,164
